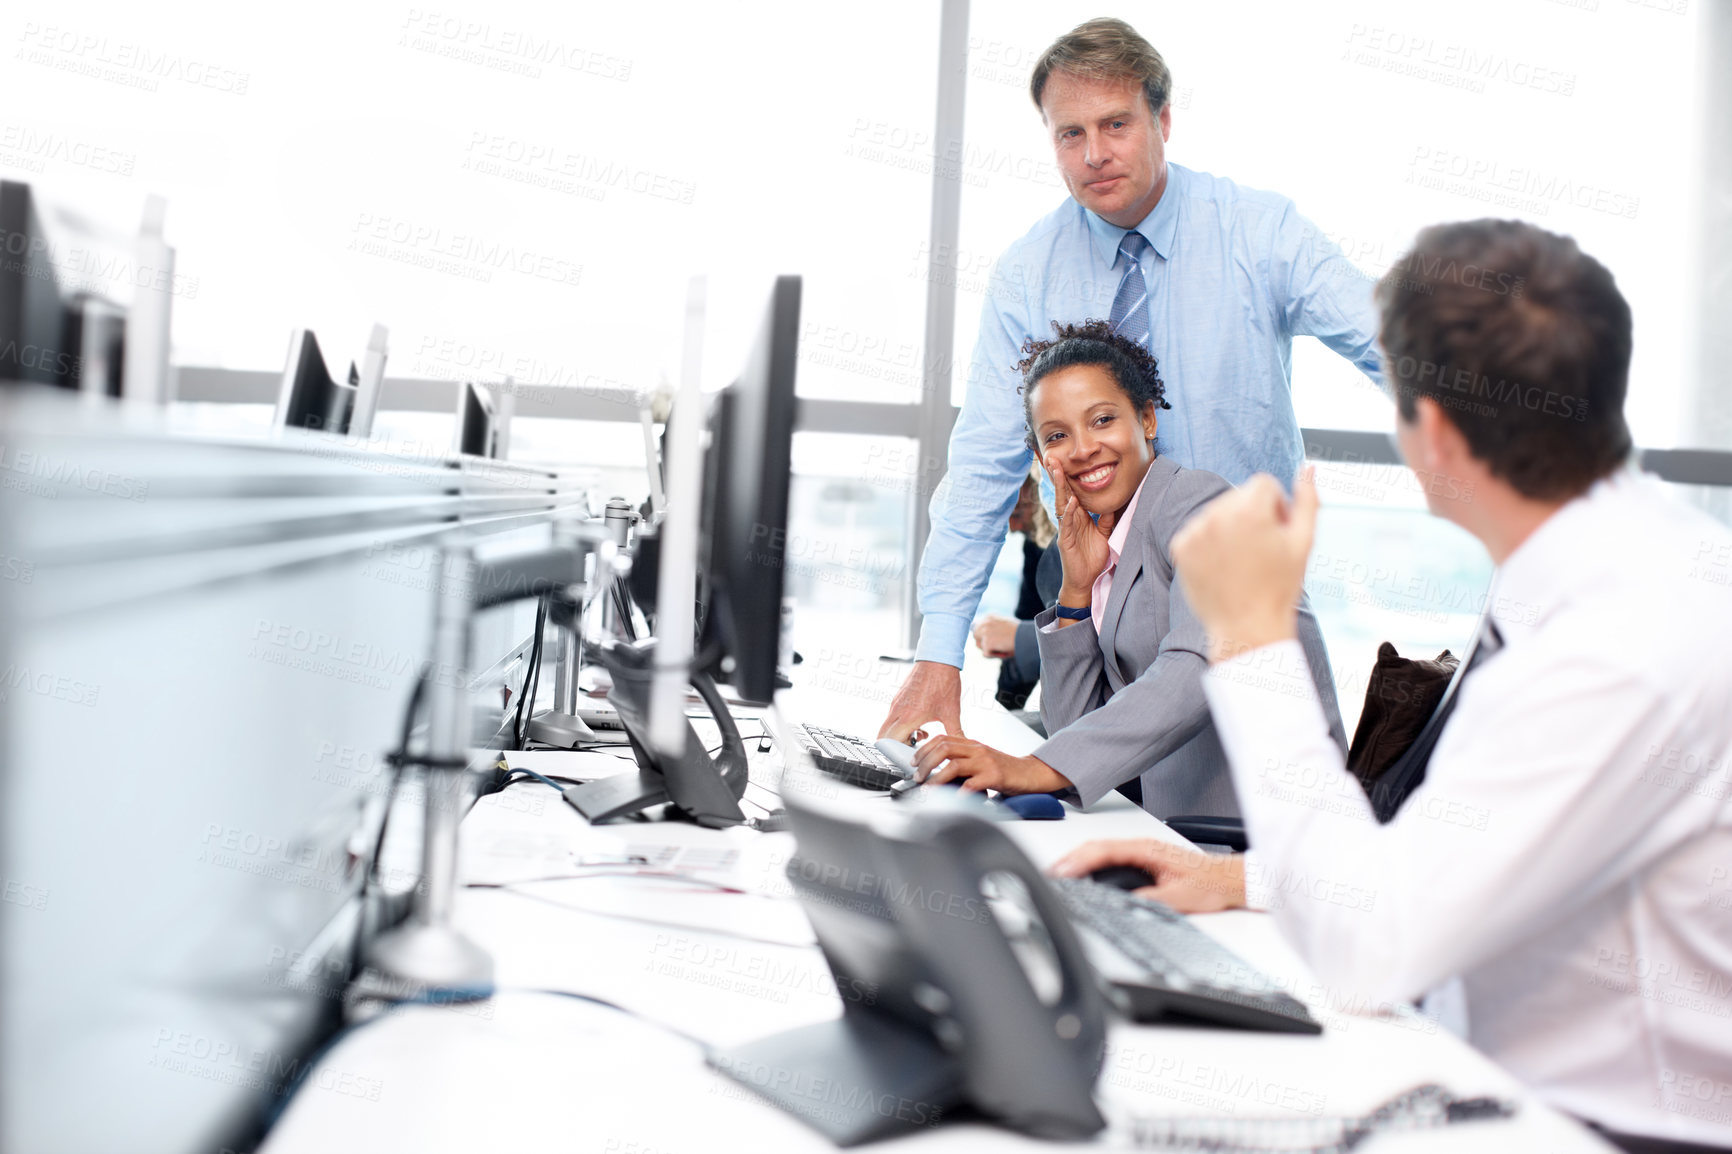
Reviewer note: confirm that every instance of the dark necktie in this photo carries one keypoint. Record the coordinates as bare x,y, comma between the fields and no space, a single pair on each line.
1405,776
1130,316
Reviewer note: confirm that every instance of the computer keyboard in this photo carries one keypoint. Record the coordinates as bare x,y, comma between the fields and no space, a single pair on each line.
853,760
1184,972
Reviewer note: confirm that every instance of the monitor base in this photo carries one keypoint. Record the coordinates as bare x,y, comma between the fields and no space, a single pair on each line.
418,962
551,727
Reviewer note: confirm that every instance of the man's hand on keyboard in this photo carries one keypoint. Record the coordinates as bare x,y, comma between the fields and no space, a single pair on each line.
976,766
932,692
1188,880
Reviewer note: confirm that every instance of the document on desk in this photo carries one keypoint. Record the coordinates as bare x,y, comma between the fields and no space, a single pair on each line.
579,765
526,833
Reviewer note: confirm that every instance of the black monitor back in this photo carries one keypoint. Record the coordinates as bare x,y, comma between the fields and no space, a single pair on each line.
474,437
749,470
39,337
309,398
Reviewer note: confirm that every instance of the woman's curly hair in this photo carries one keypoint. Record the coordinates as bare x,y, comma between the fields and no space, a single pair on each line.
1090,343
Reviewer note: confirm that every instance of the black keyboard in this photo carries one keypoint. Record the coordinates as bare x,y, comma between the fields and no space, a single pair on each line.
855,761
1186,973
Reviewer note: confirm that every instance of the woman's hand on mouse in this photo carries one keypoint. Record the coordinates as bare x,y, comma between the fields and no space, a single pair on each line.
1082,542
1189,880
975,767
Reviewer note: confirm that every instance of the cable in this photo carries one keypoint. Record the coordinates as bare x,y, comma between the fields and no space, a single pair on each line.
532,670
552,779
530,774
663,924
304,1070
706,1047
622,610
397,761
611,871
1421,1108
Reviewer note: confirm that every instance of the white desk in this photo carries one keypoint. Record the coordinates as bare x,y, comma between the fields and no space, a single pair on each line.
533,1071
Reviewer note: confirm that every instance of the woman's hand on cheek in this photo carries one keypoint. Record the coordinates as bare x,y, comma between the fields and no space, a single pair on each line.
1081,543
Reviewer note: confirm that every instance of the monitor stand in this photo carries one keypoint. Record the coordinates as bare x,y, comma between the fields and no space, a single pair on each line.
551,727
699,787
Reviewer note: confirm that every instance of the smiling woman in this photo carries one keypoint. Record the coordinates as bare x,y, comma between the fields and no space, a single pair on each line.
1123,700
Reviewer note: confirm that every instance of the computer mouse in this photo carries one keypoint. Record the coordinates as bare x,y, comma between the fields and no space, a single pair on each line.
900,753
1035,806
1123,877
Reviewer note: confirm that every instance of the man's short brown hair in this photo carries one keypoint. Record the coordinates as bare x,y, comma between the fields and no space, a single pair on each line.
1523,340
1105,49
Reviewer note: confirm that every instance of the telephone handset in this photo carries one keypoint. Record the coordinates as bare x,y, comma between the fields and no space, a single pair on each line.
963,983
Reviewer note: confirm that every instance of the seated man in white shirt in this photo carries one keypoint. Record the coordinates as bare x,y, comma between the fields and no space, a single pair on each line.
1564,854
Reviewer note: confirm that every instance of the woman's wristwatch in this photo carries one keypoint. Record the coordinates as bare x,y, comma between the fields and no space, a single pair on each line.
1070,614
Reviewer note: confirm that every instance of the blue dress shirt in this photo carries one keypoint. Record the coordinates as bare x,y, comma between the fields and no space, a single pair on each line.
1233,275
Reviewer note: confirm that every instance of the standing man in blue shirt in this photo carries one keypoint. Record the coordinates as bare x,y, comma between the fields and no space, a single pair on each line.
1215,280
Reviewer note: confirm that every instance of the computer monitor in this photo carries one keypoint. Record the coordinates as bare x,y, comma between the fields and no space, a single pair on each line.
749,467
40,330
744,513
474,434
308,398
101,328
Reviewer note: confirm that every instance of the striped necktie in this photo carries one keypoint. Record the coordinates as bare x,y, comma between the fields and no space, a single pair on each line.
1130,317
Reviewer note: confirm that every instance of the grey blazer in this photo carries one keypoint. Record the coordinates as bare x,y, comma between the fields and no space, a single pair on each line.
1129,701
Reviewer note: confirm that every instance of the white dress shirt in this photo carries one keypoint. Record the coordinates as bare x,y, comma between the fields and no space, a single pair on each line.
1569,856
